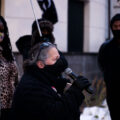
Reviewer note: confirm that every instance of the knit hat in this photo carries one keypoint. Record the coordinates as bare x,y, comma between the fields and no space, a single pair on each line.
114,18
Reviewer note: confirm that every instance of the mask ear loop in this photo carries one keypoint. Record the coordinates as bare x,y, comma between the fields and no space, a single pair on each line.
39,30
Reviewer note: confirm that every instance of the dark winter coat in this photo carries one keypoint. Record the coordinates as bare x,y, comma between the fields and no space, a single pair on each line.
24,45
109,62
36,98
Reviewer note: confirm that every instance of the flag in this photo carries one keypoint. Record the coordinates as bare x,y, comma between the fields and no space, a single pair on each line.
49,10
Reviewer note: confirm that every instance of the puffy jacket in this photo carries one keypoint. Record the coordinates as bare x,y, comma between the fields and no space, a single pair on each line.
37,99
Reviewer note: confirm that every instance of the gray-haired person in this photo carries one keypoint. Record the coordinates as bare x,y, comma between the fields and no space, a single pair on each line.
36,96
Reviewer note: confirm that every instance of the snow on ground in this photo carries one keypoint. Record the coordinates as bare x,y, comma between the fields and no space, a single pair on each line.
96,113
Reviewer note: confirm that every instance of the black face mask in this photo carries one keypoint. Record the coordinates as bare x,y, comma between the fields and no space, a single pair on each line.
116,34
58,67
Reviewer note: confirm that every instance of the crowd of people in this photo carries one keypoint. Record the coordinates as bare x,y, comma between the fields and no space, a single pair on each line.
41,92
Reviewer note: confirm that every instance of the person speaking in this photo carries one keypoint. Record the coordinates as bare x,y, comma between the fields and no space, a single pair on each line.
36,96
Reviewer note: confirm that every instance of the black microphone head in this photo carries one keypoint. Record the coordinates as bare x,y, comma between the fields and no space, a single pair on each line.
68,71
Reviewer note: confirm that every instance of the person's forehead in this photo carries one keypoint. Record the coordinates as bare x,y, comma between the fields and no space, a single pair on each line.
53,52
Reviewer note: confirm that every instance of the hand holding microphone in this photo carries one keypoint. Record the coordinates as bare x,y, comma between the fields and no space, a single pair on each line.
79,81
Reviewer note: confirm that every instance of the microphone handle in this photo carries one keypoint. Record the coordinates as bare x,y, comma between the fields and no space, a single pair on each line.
89,89
73,76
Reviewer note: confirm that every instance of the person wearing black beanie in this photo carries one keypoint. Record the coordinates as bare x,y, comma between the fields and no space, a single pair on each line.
109,63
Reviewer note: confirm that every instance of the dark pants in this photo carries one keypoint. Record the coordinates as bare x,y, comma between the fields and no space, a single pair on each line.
112,108
5,114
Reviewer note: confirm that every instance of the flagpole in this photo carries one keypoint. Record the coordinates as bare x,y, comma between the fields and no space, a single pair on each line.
40,33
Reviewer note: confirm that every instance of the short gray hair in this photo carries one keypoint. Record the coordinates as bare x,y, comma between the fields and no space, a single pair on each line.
40,52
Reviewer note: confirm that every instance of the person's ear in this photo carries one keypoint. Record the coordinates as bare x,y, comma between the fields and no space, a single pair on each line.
40,64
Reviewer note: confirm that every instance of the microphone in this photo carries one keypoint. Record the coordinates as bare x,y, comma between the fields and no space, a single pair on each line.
68,71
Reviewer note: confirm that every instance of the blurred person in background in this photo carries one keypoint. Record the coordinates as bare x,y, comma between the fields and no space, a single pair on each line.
8,71
49,15
109,62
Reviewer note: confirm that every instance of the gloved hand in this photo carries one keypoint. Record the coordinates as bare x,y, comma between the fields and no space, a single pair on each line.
81,82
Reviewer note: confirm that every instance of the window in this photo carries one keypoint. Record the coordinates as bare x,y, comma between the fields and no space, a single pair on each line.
75,26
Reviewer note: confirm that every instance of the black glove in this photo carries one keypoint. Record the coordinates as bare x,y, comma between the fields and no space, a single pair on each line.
81,82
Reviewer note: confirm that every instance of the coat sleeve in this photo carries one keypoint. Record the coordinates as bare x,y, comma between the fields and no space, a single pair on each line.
101,58
13,75
23,45
45,103
64,108
61,84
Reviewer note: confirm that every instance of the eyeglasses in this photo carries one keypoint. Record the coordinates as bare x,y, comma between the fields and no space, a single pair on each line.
44,45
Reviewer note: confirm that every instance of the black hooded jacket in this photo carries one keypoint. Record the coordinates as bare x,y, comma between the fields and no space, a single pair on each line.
109,62
36,99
